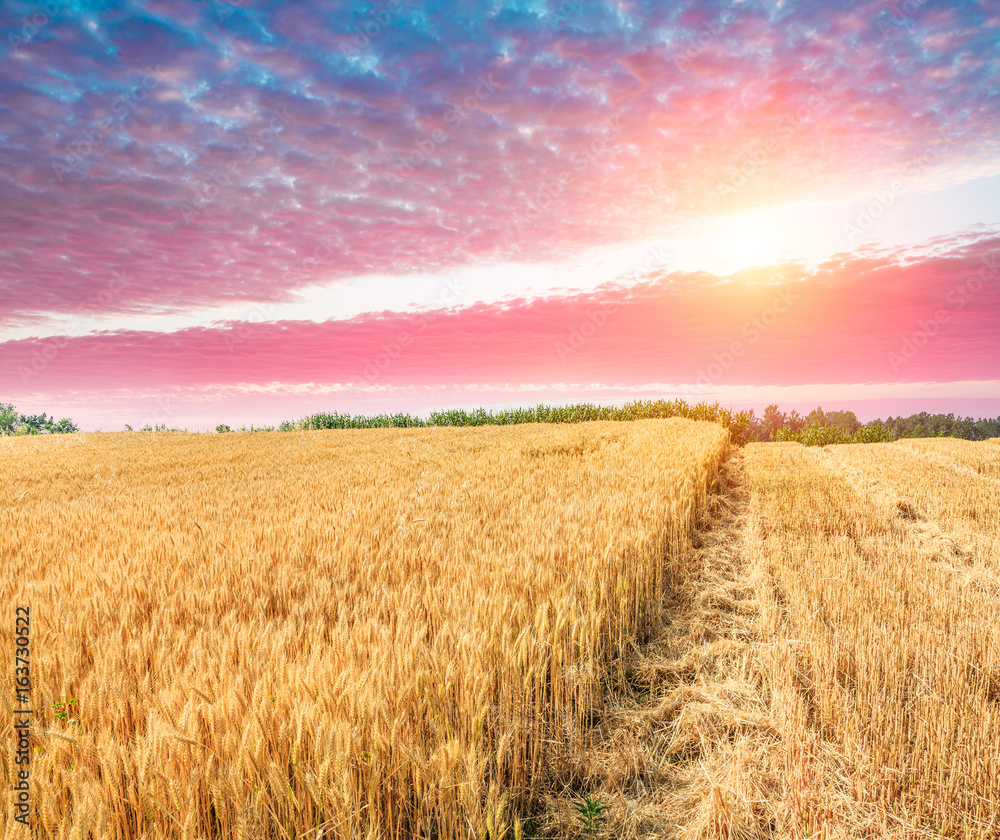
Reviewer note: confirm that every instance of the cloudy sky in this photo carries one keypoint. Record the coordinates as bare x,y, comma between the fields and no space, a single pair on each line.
249,211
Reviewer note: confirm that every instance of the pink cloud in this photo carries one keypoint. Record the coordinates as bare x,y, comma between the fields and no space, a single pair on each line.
850,321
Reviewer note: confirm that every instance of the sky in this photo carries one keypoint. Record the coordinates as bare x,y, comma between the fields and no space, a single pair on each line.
250,211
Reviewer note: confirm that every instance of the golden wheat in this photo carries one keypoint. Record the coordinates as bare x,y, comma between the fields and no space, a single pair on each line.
386,633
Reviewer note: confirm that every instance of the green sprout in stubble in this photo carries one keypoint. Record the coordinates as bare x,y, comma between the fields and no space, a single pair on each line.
591,814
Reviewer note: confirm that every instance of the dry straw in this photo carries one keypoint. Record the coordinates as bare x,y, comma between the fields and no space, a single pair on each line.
874,647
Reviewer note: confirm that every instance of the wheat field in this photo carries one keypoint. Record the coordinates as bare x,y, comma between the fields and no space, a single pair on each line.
374,634
438,632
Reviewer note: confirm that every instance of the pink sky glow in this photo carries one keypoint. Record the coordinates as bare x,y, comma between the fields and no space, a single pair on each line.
249,212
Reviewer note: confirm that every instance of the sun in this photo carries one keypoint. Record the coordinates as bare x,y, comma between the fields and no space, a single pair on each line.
735,242
749,241
742,241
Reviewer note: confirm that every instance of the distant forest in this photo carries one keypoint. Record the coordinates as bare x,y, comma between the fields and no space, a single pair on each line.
818,428
13,423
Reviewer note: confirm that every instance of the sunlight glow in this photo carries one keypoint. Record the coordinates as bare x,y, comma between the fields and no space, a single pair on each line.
727,244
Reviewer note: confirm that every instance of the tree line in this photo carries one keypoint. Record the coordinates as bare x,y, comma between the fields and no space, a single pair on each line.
818,428
14,423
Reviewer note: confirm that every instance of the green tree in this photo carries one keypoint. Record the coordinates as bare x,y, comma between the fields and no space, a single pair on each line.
816,417
846,421
8,419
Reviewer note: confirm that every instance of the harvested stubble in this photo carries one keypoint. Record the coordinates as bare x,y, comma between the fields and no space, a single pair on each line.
980,457
945,489
387,633
884,672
